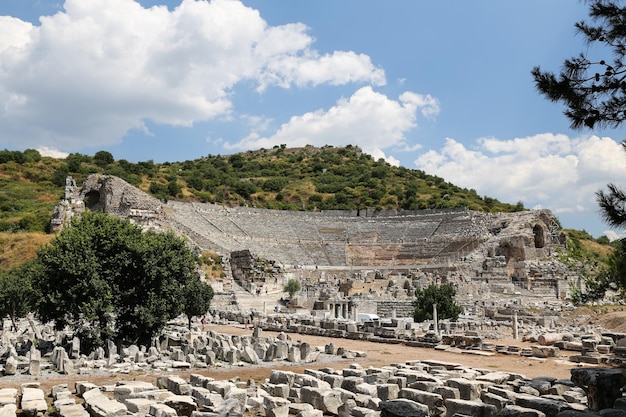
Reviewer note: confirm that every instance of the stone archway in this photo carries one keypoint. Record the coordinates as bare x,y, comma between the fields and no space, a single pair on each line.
540,236
92,199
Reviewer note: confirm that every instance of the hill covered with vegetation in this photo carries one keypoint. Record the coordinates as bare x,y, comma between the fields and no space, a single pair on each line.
308,178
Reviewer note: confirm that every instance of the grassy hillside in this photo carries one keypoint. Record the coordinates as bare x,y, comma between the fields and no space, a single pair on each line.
306,178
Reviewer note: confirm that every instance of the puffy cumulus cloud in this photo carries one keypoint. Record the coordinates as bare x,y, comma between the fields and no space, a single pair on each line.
103,67
53,153
368,119
546,170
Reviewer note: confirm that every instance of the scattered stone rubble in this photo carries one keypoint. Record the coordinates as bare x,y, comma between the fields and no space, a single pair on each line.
415,388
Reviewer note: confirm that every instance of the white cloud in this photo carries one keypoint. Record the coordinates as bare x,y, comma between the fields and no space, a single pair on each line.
103,67
53,153
545,170
368,119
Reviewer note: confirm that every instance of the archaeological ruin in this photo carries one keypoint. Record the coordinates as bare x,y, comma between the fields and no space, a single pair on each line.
352,262
504,267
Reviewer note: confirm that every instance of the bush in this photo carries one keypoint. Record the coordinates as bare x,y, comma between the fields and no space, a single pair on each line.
443,296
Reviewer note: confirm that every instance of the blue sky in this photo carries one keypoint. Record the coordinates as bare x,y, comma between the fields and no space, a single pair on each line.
440,86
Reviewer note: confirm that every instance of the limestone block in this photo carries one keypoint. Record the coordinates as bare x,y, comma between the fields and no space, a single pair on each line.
63,401
205,399
310,381
282,377
540,384
138,405
326,400
468,389
516,411
10,367
82,387
72,410
101,406
293,354
545,351
221,387
183,404
433,401
367,389
549,407
33,401
128,389
387,392
276,406
277,390
177,385
162,410
495,400
349,383
403,408
495,377
603,385
333,380
364,412
238,394
249,355
310,413
470,408
8,396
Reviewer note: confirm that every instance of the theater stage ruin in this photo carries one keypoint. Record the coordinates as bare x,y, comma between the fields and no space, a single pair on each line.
351,261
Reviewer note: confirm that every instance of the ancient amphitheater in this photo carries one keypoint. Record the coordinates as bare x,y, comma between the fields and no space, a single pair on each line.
343,259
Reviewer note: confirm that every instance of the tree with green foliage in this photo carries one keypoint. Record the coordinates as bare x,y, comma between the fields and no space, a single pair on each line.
292,287
17,296
442,295
106,279
103,158
197,297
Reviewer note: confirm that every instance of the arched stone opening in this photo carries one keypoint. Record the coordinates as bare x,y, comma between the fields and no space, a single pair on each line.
540,239
92,198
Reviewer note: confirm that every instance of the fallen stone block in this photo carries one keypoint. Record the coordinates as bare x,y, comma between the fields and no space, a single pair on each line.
33,401
8,410
139,405
403,408
516,411
184,405
72,410
102,406
469,408
326,400
162,410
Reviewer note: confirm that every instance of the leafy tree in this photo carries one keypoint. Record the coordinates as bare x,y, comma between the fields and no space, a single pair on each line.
32,155
105,278
103,158
197,298
17,296
442,295
292,287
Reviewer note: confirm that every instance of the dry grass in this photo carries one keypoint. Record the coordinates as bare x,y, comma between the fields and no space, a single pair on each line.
17,248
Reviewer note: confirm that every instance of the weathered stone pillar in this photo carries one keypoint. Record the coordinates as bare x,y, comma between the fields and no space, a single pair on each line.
435,319
515,329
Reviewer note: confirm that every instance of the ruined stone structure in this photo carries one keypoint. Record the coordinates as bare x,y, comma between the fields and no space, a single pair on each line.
366,257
